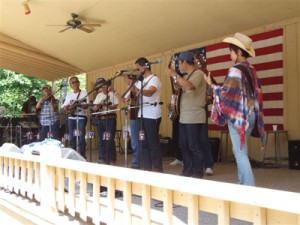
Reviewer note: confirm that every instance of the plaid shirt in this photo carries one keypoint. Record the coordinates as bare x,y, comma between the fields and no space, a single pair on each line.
48,116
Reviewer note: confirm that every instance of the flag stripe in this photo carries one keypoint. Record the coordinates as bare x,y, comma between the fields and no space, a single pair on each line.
273,112
271,80
268,50
268,65
272,96
266,35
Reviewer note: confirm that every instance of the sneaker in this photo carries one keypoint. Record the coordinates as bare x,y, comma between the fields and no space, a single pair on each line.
209,171
176,162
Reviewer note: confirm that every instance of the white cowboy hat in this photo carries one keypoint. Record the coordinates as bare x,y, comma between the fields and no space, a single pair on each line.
242,41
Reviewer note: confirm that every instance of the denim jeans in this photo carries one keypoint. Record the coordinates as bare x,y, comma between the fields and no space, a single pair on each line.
54,130
134,138
245,174
150,150
192,139
104,146
81,139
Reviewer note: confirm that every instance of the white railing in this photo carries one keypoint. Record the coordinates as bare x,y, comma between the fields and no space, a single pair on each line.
46,180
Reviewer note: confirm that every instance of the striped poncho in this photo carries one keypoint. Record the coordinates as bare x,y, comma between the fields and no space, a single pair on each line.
233,100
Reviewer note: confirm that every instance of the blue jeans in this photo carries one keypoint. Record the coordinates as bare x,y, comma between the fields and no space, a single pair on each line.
134,138
150,149
192,139
245,174
81,139
104,146
54,130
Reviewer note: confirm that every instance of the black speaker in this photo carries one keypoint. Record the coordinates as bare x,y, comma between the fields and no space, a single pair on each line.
294,154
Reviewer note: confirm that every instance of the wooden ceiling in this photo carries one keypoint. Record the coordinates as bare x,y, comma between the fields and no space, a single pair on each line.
129,29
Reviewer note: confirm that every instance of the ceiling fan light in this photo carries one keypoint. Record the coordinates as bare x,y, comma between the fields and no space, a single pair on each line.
26,9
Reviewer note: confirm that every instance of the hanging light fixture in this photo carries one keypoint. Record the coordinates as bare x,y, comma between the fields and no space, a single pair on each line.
26,8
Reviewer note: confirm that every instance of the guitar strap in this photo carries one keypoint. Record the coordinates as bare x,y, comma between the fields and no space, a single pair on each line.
78,95
180,91
179,94
76,99
145,84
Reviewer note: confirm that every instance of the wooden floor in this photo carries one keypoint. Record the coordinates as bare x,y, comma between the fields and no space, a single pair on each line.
281,178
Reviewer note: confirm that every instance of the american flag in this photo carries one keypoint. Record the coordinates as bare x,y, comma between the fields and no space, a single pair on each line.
269,65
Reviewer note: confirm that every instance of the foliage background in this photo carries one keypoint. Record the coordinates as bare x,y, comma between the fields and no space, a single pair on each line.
16,88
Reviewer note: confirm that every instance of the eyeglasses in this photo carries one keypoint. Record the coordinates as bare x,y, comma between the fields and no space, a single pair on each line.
74,82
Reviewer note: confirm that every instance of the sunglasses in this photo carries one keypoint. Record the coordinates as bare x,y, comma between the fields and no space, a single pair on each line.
74,82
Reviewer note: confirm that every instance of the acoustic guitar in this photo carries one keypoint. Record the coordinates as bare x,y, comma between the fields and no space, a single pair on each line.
174,109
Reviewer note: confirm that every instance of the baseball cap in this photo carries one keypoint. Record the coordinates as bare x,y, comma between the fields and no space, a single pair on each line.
186,56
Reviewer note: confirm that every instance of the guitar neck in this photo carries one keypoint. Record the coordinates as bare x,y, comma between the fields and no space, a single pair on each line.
202,66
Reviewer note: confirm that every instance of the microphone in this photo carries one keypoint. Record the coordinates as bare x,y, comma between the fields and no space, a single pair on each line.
154,62
123,71
62,85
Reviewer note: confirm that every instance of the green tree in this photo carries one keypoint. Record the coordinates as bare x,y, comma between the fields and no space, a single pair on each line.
16,88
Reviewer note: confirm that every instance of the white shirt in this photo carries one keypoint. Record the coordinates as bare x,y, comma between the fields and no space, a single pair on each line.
150,111
71,97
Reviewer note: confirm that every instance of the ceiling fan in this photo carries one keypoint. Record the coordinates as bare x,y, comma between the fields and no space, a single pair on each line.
77,24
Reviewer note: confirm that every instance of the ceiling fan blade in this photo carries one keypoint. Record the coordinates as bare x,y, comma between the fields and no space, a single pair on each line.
64,30
92,24
85,29
56,25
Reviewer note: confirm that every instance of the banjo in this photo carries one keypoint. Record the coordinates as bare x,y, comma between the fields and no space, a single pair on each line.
174,109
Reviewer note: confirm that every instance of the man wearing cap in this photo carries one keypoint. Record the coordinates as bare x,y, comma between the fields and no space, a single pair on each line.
48,106
107,122
239,103
75,105
193,138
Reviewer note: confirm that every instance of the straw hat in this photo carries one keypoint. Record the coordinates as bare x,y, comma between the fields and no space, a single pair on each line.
242,41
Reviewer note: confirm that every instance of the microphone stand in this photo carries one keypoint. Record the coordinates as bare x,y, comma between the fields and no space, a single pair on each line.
141,132
90,135
126,135
107,135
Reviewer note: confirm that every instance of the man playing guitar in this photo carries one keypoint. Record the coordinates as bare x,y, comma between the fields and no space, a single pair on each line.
77,115
192,122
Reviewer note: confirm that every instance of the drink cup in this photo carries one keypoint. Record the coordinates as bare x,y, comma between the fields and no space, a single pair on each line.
274,127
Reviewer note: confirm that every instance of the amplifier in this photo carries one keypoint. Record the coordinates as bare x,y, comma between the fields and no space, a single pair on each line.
294,154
